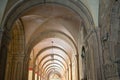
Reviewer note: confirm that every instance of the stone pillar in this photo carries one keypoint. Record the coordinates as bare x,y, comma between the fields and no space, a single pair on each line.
70,70
3,54
14,69
38,76
25,69
3,57
38,73
33,75
66,75
77,59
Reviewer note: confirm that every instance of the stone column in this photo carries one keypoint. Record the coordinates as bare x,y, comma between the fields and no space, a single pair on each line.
77,59
70,70
37,72
3,53
25,69
14,69
33,75
65,75
38,76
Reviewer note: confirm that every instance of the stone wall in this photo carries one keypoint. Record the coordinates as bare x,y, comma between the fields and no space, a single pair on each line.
92,62
108,23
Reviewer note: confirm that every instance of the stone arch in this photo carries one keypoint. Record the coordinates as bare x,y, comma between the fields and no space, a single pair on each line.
79,8
47,68
40,52
18,9
54,63
52,33
16,49
50,71
46,63
56,60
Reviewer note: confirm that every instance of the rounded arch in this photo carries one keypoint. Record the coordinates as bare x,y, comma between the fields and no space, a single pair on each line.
52,33
56,72
51,71
45,69
78,7
52,64
41,51
53,67
46,62
16,48
55,60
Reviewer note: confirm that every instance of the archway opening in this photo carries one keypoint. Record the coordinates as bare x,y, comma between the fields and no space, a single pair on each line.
50,44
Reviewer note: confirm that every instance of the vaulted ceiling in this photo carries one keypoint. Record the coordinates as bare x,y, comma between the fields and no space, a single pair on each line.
51,32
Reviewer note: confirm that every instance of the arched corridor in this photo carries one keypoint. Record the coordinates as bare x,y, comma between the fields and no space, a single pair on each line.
56,40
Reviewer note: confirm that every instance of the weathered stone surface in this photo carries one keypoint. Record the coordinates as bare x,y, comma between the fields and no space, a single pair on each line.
109,24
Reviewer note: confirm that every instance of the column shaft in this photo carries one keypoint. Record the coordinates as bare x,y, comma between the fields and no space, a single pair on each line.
14,69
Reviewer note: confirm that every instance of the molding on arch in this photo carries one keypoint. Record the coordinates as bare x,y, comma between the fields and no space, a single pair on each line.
54,63
42,50
44,69
50,71
76,6
50,55
51,33
58,61
52,67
